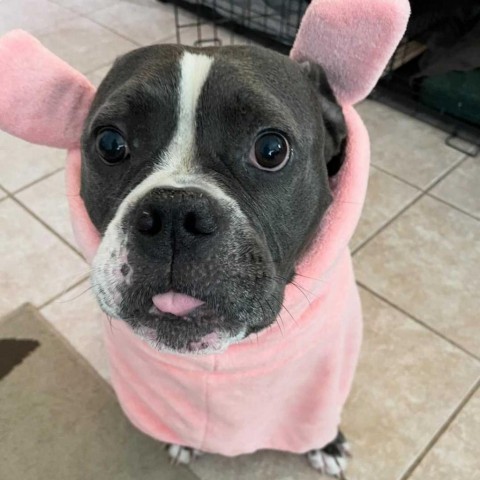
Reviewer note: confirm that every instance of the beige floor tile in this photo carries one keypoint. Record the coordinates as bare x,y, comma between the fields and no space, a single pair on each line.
399,400
188,38
462,187
32,15
84,6
48,200
84,44
98,75
34,264
401,396
22,163
427,262
143,21
386,196
456,455
78,318
3,194
403,146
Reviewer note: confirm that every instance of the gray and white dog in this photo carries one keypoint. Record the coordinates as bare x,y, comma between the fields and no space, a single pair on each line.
206,171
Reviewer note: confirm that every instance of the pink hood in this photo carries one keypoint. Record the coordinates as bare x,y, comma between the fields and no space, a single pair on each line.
285,387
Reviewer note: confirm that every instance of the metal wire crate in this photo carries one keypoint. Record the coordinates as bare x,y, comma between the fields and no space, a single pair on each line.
273,23
403,84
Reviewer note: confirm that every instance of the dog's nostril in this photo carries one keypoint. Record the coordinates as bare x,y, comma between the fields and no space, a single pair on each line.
197,225
149,223
190,223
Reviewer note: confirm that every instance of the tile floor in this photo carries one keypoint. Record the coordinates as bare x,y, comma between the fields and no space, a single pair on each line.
415,408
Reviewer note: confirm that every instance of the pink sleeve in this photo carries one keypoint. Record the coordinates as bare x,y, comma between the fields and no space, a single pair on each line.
42,99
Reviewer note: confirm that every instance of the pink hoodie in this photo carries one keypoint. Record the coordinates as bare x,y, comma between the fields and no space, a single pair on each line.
284,388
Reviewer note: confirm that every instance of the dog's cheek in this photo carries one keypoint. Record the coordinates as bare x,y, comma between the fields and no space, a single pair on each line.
111,271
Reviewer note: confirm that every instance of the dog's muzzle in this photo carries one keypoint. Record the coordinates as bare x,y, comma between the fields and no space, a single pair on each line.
186,271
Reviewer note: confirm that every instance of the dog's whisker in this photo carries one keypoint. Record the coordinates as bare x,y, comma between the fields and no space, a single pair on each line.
76,297
291,316
109,318
349,203
302,291
301,288
310,278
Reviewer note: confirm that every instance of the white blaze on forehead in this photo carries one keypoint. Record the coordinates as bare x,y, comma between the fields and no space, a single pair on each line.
174,169
194,71
176,166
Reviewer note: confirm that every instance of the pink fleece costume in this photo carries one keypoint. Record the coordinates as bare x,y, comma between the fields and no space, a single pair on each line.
283,389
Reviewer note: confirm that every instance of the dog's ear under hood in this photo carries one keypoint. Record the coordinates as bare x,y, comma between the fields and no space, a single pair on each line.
332,116
43,100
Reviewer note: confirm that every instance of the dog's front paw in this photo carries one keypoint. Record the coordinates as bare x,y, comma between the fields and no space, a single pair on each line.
332,459
179,454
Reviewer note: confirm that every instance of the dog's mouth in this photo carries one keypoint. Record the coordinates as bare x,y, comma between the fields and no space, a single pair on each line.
189,303
176,303
189,316
179,323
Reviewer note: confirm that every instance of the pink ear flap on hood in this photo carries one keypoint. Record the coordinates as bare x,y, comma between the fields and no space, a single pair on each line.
42,99
352,40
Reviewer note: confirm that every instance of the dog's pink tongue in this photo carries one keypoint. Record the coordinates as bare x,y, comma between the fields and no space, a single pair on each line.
176,303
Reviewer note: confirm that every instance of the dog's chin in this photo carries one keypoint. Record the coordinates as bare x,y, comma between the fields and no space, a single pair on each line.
214,342
201,331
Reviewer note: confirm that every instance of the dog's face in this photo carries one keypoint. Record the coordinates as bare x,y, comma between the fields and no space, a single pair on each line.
206,172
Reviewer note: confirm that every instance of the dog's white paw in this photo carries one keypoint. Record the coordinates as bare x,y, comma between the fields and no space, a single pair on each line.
331,460
184,455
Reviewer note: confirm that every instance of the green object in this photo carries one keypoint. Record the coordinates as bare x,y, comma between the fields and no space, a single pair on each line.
455,93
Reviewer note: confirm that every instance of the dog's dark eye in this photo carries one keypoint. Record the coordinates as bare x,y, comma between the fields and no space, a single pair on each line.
111,146
271,151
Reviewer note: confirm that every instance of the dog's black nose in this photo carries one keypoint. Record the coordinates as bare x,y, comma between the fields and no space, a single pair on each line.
186,215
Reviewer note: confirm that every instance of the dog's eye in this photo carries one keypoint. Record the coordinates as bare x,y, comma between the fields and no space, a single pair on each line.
111,146
270,151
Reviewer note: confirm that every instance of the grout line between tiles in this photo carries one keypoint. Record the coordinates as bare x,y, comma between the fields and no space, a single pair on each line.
433,441
452,167
420,322
89,72
455,207
396,176
38,180
414,200
113,31
446,173
63,292
87,16
42,31
422,193
47,226
59,4
155,42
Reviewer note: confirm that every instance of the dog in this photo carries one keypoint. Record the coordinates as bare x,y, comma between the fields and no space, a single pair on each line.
206,171
214,192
